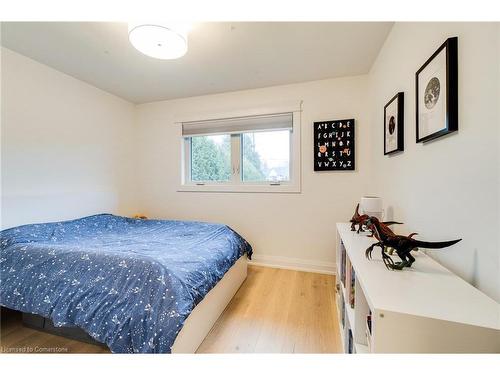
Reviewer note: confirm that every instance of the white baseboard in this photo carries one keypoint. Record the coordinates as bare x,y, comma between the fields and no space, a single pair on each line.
293,264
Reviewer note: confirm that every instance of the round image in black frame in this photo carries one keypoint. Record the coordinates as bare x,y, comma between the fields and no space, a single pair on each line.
392,125
432,91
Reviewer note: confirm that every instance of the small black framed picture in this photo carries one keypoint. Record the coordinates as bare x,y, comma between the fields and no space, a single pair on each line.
394,124
437,93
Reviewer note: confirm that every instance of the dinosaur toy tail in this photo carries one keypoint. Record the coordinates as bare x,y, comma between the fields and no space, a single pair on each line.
435,245
391,222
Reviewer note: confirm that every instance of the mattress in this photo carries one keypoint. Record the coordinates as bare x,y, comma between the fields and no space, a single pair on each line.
130,284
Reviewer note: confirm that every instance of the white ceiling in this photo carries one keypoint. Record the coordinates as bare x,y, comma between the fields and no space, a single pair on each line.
221,56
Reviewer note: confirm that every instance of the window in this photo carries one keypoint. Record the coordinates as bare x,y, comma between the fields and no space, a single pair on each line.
254,153
265,156
211,158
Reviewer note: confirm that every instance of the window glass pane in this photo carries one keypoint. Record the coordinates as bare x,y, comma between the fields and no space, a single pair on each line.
211,158
266,156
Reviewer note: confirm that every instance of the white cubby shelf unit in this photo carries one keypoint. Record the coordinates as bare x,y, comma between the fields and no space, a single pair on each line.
422,309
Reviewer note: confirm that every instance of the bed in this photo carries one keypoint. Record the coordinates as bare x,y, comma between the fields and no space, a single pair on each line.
137,286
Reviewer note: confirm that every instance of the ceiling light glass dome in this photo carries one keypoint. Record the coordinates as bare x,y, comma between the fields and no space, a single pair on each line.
161,41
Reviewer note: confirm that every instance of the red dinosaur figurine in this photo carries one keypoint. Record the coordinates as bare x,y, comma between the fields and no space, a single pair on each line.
360,220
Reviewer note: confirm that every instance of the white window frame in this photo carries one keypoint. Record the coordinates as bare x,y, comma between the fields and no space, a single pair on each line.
237,185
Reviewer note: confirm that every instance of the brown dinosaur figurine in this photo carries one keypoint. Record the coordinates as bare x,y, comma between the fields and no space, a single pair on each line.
403,245
359,220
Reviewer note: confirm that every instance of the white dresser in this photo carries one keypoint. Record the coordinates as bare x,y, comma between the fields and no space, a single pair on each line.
422,309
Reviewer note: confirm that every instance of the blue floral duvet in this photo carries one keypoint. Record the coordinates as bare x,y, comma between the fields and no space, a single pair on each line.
129,283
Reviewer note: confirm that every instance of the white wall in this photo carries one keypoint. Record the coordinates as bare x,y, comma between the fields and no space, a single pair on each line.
65,145
289,229
448,188
498,136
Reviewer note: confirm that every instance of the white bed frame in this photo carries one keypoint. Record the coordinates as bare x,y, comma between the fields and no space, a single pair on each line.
205,314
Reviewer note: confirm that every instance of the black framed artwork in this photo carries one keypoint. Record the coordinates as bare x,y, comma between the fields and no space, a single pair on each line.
437,93
334,145
394,124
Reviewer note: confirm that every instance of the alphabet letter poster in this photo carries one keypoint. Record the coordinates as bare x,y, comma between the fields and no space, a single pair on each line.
334,145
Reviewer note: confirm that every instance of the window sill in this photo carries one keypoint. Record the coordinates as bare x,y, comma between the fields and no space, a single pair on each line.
256,188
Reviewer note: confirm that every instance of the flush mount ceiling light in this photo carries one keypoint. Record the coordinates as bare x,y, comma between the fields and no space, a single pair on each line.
161,41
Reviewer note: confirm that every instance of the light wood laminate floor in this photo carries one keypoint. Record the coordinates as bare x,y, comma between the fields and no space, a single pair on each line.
274,311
